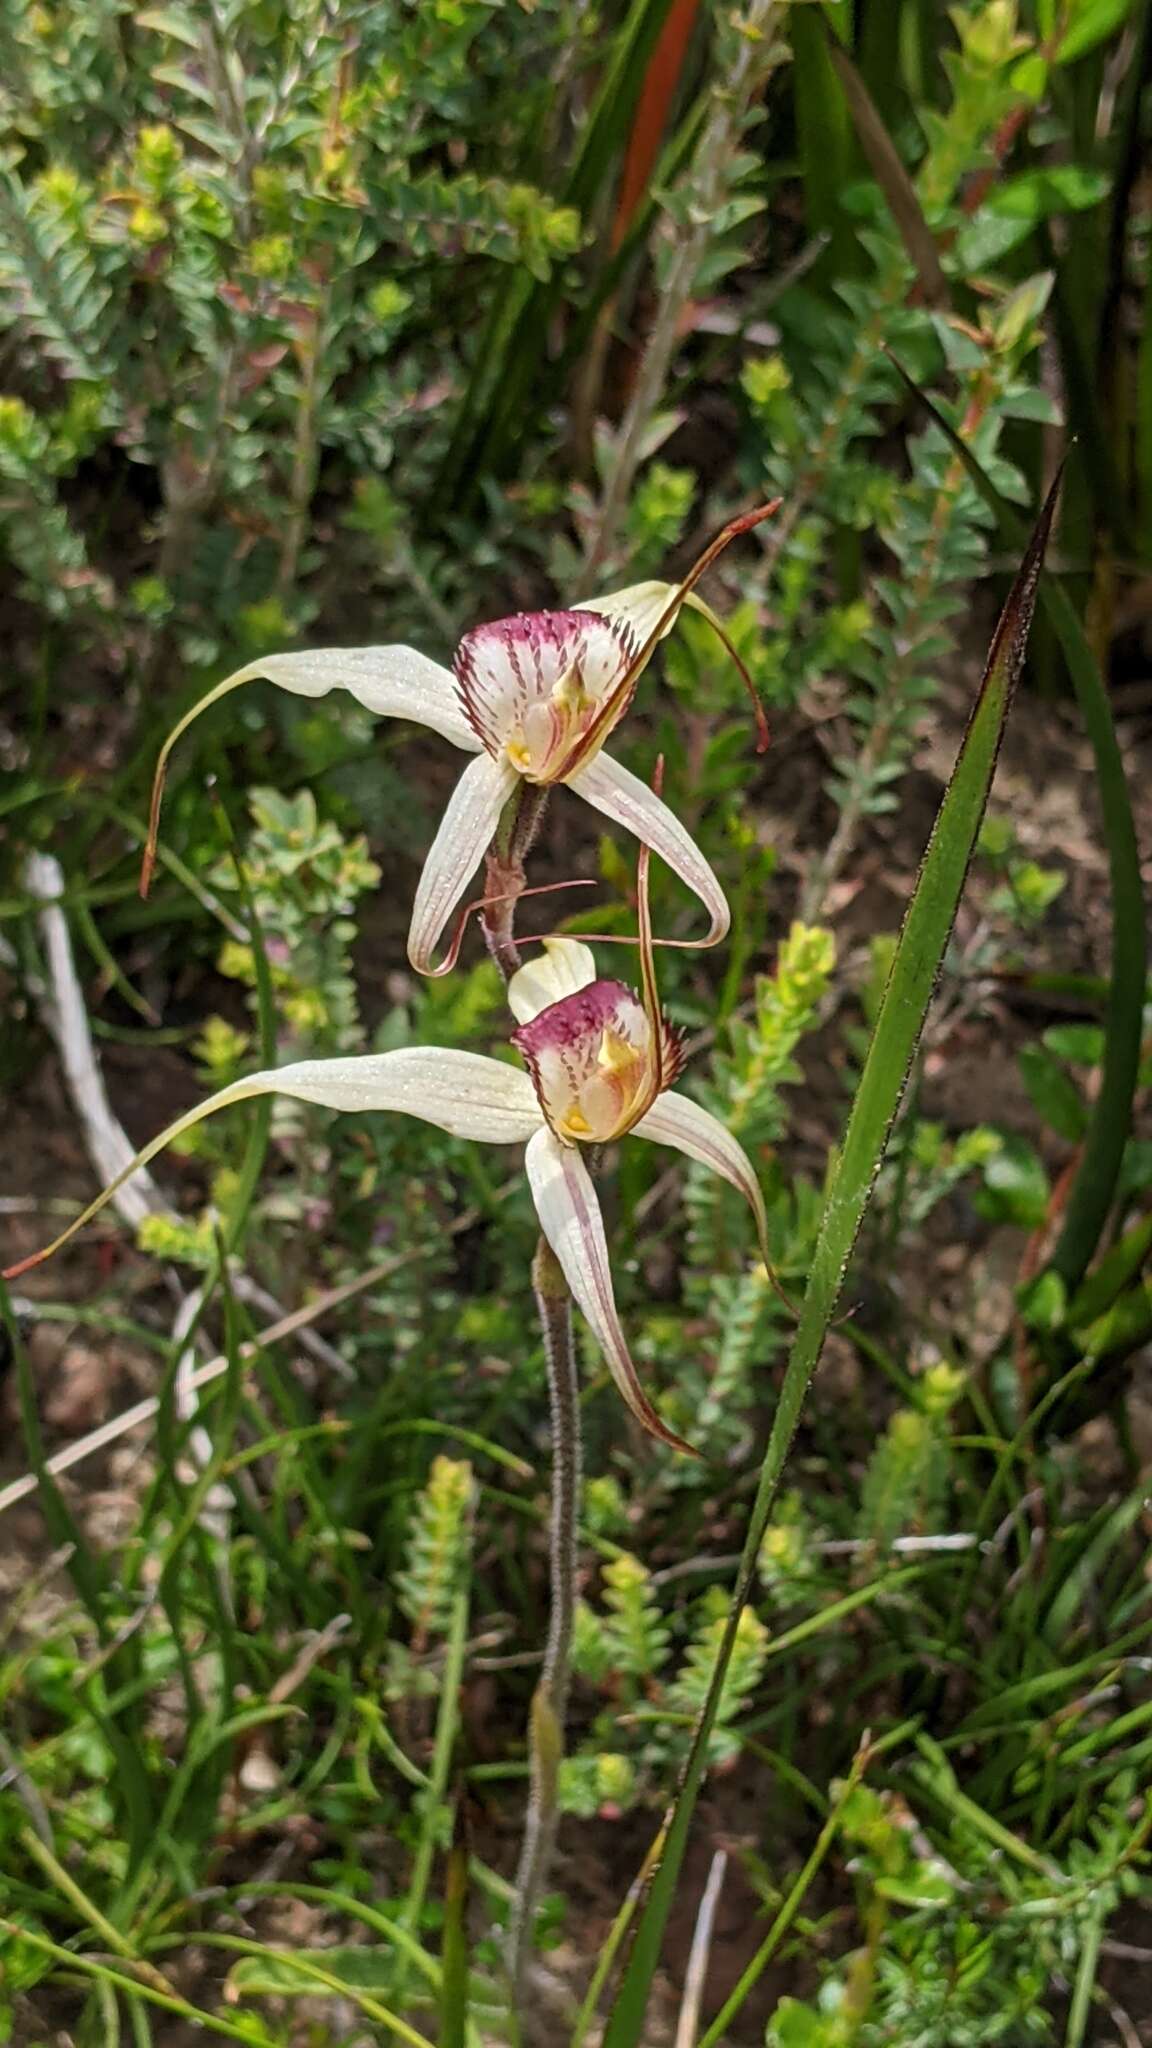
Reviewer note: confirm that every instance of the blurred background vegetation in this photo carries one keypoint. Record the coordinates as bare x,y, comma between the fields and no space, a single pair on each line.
357,323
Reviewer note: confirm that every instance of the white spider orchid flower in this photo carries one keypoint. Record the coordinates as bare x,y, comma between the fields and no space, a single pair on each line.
534,698
600,1062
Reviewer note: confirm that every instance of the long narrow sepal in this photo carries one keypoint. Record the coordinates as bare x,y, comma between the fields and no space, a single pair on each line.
763,734
621,796
645,608
463,1093
648,986
657,623
571,1221
464,836
394,682
676,1120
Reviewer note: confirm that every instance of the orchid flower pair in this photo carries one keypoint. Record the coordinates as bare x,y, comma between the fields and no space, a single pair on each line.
599,1064
534,697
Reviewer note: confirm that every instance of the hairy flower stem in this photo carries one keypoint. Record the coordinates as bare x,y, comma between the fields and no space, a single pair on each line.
504,873
550,1699
504,884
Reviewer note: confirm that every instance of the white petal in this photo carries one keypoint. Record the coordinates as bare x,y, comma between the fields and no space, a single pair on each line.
460,1092
464,1093
394,682
674,1119
629,802
571,1221
639,607
464,837
563,969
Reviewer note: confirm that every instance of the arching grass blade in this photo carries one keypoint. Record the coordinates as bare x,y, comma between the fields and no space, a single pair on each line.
1086,1210
923,938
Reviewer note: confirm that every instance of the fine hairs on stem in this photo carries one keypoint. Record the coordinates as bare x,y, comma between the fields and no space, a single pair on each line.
505,882
550,1699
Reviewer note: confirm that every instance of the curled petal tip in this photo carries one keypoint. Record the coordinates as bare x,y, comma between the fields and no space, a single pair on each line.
747,520
22,1266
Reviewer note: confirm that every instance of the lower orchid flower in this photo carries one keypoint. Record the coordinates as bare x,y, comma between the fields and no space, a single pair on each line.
600,1062
534,697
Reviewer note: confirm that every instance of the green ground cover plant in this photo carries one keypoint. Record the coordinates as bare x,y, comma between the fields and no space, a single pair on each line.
368,1672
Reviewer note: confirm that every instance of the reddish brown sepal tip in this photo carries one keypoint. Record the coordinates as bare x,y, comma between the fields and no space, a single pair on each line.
21,1266
747,520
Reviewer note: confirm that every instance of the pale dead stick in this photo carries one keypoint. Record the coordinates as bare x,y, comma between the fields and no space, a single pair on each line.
689,2021
287,1326
61,1004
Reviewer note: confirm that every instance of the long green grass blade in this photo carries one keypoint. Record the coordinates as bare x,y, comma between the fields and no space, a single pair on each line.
454,1947
1090,1200
927,926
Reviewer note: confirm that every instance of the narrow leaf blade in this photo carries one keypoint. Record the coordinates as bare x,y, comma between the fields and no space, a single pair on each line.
1094,1187
916,964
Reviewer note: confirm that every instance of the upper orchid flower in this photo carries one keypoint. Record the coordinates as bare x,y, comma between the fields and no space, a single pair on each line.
534,697
600,1062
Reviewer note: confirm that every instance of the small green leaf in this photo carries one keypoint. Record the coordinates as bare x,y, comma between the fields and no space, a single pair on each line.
1058,188
925,1890
273,1976
1090,23
1114,1271
1125,1325
1044,1304
1054,1093
1081,1044
1015,1186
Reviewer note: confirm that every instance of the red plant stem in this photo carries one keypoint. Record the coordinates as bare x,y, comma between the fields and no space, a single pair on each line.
651,117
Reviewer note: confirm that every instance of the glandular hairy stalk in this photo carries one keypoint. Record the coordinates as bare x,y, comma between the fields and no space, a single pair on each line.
504,883
504,873
550,1700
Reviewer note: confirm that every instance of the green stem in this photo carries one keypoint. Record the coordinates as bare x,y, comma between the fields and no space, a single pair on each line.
550,1700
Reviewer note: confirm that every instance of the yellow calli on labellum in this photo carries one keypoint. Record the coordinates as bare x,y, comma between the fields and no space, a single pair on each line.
534,697
600,1063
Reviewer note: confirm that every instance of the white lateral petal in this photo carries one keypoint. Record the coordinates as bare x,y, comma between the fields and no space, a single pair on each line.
571,1221
464,837
563,969
622,797
639,607
464,1093
676,1120
461,1092
394,682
